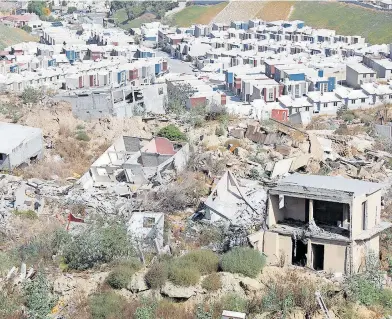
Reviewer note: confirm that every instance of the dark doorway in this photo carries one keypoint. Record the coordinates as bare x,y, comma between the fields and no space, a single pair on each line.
299,251
318,256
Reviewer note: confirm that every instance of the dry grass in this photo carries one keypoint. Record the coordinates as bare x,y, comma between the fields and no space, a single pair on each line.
275,10
198,14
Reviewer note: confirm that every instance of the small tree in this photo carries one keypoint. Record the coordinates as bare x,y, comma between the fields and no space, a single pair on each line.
245,261
71,10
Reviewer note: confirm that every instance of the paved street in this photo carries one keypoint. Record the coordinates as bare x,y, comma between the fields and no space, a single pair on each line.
175,65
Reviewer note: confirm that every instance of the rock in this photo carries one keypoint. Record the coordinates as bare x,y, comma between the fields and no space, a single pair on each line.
173,291
250,284
238,133
364,174
138,283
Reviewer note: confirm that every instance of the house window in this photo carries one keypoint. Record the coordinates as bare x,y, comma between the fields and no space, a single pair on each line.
306,108
297,90
390,96
160,91
364,215
371,75
335,103
325,104
352,101
270,96
363,100
148,222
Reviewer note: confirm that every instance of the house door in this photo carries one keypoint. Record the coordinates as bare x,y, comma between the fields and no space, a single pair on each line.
318,256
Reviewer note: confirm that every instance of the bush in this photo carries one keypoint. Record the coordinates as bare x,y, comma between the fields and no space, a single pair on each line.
347,116
97,245
157,275
245,261
290,290
220,131
31,95
205,261
172,133
25,214
71,10
38,298
105,305
82,136
212,282
182,275
234,302
121,275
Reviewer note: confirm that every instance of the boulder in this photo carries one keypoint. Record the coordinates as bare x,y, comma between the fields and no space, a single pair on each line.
250,284
285,150
138,283
172,291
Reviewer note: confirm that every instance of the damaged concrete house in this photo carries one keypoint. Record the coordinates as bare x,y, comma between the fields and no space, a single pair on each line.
238,201
136,161
147,228
326,223
19,145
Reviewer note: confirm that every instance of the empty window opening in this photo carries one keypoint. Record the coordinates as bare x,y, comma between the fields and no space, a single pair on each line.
328,213
148,222
2,157
318,256
299,252
364,215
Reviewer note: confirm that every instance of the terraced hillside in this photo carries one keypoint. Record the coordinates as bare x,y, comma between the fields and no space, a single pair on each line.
239,10
346,19
10,36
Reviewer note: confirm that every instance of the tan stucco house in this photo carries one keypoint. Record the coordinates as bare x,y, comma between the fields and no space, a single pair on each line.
323,222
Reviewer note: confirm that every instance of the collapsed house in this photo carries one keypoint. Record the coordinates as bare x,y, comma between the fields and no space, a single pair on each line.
19,145
240,202
147,229
322,222
127,160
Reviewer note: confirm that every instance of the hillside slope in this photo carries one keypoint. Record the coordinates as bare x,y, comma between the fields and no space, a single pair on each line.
197,14
346,19
239,10
10,36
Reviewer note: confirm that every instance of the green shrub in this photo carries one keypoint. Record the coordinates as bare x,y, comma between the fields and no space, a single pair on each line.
105,305
172,133
182,275
96,245
206,261
82,136
347,116
31,95
157,275
9,304
25,214
245,261
38,298
234,302
212,282
220,131
80,127
121,275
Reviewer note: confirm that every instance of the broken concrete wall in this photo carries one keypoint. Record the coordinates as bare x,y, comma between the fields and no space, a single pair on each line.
282,167
153,159
384,130
181,158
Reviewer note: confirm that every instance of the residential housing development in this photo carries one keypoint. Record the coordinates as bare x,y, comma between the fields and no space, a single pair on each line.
155,170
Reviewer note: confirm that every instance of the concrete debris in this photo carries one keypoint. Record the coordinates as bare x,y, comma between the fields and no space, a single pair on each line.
239,202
